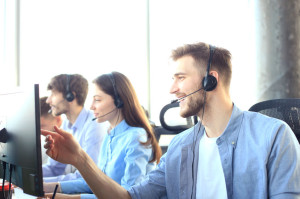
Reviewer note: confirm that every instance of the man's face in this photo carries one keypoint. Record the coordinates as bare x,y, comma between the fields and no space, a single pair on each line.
58,103
187,79
48,122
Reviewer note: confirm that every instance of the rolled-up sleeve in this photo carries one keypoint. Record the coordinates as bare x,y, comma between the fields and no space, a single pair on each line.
153,187
284,154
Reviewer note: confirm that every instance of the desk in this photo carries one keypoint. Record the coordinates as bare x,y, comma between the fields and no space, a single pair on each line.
18,194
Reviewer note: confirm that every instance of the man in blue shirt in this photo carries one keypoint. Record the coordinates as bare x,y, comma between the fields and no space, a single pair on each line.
229,154
68,95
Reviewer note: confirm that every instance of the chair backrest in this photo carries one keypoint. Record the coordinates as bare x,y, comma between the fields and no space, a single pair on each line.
171,122
170,119
287,110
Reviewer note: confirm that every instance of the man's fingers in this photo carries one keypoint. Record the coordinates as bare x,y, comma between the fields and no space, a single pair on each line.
45,132
48,144
49,139
49,152
61,132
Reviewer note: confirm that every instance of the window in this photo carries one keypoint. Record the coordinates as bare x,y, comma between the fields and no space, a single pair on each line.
92,37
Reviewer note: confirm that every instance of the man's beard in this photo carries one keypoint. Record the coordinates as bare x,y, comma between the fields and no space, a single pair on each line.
193,106
59,111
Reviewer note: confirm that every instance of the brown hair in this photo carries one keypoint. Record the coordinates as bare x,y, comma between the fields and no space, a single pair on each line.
221,60
77,84
132,110
44,107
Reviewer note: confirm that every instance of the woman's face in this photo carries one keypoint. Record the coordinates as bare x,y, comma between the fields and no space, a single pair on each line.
103,106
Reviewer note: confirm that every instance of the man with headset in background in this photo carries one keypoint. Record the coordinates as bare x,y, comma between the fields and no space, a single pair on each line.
229,154
48,121
68,93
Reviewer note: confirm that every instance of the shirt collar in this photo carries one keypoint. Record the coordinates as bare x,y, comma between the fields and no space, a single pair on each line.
233,127
230,133
120,128
81,119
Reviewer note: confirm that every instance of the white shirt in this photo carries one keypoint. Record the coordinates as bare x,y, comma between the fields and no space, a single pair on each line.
210,175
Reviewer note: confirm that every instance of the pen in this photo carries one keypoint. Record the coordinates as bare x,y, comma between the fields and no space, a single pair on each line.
53,196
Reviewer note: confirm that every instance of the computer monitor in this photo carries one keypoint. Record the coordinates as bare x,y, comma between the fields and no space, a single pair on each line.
20,119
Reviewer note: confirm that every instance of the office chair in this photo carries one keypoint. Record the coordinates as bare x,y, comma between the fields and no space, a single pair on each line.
287,110
172,123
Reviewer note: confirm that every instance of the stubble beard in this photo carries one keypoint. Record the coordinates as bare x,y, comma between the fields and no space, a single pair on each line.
194,106
59,111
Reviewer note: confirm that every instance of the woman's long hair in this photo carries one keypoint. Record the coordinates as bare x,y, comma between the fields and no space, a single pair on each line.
132,110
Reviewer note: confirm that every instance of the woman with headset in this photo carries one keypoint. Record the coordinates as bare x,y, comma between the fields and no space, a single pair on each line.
130,149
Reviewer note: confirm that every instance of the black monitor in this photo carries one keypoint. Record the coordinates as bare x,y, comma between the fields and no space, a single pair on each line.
21,150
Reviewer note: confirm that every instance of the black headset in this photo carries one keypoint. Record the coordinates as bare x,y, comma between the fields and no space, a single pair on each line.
209,82
69,95
117,100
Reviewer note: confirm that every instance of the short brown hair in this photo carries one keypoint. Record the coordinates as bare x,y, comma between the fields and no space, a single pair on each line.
221,60
77,84
44,107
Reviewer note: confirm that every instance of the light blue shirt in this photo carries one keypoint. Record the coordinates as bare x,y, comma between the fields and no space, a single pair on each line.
260,158
122,158
89,134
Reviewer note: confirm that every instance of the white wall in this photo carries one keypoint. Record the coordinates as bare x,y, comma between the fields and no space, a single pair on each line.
92,37
227,24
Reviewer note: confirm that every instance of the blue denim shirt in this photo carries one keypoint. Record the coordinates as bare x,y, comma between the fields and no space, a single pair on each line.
89,134
122,158
260,158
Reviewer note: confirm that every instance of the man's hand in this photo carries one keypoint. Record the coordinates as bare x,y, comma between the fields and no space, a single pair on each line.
61,146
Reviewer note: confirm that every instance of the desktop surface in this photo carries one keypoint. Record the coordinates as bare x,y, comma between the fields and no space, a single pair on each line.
19,194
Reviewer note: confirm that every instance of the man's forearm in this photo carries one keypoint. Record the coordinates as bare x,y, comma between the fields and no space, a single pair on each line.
101,185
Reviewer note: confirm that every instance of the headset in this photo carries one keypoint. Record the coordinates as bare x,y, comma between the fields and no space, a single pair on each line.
209,82
69,95
117,100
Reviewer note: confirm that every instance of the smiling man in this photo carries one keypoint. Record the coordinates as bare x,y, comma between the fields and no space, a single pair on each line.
229,154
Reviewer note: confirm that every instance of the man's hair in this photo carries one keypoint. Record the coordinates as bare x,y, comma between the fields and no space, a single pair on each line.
77,84
221,60
44,107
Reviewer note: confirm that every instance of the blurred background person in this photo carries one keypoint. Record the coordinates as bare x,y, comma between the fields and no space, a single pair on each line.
68,93
48,121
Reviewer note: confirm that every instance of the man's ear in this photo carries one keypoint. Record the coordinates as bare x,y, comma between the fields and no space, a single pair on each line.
215,74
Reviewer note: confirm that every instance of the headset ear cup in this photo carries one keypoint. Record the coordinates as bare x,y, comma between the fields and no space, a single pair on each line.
209,83
70,96
119,103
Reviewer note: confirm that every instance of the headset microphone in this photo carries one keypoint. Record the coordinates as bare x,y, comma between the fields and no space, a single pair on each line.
176,100
104,114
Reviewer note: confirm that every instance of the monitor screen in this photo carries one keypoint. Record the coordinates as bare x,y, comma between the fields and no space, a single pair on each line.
20,119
